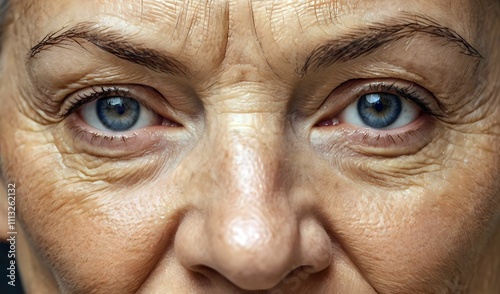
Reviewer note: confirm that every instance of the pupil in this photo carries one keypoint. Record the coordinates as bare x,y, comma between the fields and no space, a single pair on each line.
378,106
120,109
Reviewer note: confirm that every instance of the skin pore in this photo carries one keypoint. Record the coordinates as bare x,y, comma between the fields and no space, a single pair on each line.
250,173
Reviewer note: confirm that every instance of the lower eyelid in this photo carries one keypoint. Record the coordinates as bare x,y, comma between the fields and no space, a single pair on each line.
396,142
118,145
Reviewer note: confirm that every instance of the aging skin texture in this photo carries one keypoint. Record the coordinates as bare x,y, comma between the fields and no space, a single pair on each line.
249,173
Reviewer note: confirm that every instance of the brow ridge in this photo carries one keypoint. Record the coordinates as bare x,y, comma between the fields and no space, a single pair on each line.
366,41
111,42
350,46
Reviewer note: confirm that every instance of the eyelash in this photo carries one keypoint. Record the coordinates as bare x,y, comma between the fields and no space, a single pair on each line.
99,139
407,92
97,93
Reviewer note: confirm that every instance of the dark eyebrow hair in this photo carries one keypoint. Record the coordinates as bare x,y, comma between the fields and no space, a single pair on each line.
111,42
367,39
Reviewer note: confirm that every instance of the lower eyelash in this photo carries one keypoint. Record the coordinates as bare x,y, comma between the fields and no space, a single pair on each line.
401,137
98,139
129,144
393,143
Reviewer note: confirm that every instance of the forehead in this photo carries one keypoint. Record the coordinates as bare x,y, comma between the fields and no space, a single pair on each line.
179,18
253,33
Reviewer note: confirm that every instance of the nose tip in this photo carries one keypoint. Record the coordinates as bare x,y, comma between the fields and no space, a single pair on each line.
251,254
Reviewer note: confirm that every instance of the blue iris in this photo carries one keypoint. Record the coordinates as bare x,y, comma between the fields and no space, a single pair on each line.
118,113
379,110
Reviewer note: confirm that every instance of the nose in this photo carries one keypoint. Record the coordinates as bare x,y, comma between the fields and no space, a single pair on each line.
247,226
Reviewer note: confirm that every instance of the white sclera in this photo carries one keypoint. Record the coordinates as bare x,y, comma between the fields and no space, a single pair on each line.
409,113
146,118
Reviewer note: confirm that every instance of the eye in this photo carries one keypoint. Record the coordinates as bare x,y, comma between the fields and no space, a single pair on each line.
380,110
383,117
118,114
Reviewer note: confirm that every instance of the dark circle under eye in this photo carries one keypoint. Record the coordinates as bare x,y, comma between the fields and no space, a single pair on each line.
118,113
379,110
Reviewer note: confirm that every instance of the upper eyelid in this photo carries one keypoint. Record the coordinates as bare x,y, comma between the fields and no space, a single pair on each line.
404,92
365,86
99,92
95,94
414,93
150,98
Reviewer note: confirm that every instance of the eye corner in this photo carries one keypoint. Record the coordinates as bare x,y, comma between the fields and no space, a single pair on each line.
329,122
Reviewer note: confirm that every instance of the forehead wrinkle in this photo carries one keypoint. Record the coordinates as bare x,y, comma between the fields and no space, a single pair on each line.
155,11
181,16
210,38
167,17
193,26
324,11
302,15
328,11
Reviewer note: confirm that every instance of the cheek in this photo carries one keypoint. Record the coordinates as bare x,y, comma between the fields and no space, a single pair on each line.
424,238
93,235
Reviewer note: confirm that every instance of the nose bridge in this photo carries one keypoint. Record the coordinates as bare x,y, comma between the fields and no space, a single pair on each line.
251,192
250,164
253,197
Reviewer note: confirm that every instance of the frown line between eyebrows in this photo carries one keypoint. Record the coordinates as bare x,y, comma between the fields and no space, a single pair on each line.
364,41
112,42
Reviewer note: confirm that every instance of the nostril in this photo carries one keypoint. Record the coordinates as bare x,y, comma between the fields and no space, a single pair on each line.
208,275
203,275
236,278
302,272
201,269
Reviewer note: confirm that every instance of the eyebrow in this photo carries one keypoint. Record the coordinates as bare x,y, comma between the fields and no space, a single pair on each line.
358,43
366,40
112,42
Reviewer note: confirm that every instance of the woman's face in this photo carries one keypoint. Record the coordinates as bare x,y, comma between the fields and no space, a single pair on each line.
228,146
